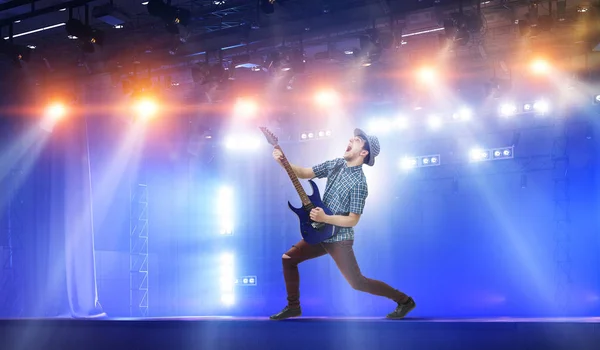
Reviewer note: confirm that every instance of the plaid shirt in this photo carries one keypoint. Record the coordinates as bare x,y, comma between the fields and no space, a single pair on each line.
345,192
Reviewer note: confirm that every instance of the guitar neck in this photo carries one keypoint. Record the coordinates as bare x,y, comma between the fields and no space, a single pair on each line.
288,168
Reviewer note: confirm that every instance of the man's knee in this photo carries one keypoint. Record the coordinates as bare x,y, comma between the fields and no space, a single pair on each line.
358,283
287,260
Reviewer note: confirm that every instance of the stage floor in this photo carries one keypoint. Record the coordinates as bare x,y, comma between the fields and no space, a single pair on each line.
302,333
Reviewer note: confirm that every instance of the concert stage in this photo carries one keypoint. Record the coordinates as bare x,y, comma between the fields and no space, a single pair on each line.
302,333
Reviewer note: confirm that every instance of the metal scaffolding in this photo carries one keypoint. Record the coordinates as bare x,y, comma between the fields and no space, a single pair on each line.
561,234
138,252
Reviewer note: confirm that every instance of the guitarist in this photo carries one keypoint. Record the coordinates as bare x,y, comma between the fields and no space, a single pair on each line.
345,194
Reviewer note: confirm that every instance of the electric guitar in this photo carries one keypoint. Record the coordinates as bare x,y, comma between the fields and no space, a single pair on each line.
312,232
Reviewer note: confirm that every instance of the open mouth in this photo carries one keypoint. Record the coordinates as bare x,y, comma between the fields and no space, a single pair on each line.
349,148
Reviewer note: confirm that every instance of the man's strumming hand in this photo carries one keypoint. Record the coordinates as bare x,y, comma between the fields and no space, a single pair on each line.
318,215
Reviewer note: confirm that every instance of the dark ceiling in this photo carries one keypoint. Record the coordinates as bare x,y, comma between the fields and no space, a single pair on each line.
220,30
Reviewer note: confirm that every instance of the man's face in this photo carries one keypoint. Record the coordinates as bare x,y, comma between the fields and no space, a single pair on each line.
355,148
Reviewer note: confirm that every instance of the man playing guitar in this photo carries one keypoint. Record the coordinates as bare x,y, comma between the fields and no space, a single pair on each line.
345,194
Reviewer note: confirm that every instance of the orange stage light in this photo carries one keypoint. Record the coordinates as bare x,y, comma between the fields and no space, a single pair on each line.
246,108
540,66
145,108
326,98
426,74
56,111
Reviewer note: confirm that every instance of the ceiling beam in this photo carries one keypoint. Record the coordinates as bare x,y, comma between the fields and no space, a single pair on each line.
43,11
17,3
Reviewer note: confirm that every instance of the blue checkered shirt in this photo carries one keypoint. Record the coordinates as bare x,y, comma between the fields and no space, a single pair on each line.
345,192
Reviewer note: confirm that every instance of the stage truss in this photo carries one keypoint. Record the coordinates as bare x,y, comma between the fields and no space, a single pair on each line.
138,252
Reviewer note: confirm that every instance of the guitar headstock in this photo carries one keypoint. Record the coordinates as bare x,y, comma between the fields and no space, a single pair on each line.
271,138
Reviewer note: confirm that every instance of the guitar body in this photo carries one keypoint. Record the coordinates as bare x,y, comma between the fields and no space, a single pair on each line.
313,232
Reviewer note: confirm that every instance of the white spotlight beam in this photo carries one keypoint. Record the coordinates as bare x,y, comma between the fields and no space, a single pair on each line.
225,206
227,280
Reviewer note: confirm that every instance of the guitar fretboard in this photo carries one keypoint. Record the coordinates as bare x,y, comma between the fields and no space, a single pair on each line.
288,168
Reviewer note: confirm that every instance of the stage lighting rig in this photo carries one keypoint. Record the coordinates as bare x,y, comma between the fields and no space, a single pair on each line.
288,60
15,52
246,281
321,134
176,18
459,27
86,35
267,6
421,161
204,73
482,155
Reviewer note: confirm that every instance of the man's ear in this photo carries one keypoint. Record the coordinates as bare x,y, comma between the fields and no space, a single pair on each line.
364,153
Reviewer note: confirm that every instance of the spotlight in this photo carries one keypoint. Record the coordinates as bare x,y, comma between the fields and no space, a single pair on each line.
508,110
421,161
145,108
327,98
478,155
321,134
247,281
597,99
426,75
246,108
16,53
540,66
53,113
434,122
541,106
503,153
86,35
463,114
56,111
432,160
409,163
267,6
174,17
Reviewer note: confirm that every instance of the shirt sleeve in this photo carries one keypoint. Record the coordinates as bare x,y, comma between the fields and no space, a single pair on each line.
324,169
358,196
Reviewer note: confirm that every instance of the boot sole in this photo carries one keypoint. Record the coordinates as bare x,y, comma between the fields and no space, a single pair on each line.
401,317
